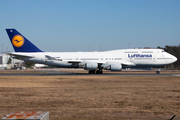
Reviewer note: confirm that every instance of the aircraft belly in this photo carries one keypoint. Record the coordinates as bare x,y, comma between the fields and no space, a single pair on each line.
60,64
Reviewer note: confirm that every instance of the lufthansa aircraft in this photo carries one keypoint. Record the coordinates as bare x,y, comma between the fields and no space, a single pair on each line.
95,62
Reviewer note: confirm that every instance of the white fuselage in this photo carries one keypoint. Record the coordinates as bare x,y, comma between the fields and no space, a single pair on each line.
125,57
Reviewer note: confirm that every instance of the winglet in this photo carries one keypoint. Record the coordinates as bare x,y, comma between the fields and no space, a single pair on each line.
20,43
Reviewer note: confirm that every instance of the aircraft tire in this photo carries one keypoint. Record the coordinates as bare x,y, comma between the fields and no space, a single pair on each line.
97,72
157,72
91,71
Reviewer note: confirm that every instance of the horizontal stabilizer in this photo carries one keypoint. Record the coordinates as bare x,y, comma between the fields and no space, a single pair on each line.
19,55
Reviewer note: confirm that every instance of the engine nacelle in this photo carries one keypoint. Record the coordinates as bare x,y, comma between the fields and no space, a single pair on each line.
91,66
115,67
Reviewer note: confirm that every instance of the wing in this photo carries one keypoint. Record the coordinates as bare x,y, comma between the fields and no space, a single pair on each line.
68,61
127,63
74,61
19,56
50,58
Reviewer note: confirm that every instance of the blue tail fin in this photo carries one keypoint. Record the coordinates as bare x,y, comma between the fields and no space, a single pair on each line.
20,43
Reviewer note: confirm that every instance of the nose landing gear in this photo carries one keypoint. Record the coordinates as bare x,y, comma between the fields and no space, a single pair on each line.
158,71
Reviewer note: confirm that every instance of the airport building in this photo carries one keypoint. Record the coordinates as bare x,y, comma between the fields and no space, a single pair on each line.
7,62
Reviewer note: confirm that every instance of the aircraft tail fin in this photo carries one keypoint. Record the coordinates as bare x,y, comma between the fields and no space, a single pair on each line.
20,43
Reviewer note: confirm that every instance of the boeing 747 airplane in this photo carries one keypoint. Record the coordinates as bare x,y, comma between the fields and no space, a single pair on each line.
94,62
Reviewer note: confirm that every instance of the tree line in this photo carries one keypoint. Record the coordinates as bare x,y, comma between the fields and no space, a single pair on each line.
174,50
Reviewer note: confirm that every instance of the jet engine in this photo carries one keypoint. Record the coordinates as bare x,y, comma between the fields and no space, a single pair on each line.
115,67
91,66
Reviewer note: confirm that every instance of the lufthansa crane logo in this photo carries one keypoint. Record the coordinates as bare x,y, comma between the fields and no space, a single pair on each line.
18,40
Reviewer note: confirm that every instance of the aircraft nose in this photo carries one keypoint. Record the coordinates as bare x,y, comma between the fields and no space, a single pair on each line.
174,58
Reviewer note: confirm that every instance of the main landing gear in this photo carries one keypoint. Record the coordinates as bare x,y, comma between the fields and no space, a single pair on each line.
95,71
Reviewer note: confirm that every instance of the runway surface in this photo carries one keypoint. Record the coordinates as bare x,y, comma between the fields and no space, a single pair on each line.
64,73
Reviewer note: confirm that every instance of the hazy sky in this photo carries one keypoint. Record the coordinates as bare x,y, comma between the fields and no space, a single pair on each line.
82,25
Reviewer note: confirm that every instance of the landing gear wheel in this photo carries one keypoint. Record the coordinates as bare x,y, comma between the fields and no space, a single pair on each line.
99,72
157,72
91,71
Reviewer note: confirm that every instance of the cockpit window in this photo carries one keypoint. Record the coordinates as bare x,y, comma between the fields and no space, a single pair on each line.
163,51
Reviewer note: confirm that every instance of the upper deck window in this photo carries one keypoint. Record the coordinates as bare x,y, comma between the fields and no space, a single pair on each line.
147,51
131,52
